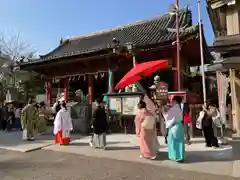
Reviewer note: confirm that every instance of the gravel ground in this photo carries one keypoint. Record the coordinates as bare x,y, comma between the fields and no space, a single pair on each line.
48,165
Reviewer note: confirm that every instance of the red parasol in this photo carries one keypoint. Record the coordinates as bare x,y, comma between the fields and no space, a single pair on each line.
142,69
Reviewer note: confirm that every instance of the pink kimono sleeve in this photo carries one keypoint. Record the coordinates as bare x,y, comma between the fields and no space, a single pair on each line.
138,120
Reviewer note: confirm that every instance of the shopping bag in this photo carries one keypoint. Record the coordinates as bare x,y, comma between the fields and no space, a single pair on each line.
24,134
199,120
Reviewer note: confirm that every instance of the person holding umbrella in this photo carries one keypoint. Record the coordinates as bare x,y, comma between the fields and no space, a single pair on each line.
145,124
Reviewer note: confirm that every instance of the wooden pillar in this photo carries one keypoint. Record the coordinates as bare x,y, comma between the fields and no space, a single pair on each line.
235,103
49,91
66,88
230,118
90,88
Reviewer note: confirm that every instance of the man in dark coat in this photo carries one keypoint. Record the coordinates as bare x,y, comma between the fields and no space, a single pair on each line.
100,126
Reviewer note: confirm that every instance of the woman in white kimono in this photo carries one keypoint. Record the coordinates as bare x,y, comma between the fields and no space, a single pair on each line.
63,126
175,138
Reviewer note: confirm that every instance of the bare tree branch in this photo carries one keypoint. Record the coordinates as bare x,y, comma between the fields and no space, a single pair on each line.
14,47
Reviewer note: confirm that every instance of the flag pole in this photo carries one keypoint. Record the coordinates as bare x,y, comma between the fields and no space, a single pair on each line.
178,46
201,51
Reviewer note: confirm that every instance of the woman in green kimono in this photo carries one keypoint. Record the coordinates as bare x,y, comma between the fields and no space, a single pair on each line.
43,117
175,139
30,117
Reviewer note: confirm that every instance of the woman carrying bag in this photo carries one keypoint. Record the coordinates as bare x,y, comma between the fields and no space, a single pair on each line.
205,122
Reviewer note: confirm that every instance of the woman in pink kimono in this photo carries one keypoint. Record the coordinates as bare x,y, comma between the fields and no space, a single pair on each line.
145,129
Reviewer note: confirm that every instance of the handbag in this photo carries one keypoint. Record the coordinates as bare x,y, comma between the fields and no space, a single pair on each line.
148,123
217,120
24,134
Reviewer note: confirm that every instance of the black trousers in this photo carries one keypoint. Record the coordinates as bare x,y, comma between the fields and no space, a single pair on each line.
9,125
210,139
4,125
166,136
186,131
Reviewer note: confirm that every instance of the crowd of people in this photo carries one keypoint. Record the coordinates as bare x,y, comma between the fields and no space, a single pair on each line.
175,115
9,118
31,118
177,120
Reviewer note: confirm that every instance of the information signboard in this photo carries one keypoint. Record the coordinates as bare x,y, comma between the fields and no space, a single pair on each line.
129,105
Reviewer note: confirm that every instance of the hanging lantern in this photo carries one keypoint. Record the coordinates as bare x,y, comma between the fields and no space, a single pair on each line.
96,76
84,78
79,77
56,80
73,78
102,75
69,79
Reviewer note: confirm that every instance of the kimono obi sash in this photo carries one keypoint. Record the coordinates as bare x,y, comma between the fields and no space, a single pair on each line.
149,123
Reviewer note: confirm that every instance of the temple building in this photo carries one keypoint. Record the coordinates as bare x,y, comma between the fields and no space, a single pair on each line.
83,62
225,20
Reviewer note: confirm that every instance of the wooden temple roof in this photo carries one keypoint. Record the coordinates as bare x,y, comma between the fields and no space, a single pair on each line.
140,34
227,40
226,44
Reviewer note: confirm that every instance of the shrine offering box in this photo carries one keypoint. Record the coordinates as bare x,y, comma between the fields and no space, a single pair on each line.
124,104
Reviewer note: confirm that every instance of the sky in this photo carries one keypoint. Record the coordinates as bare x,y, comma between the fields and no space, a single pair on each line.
42,23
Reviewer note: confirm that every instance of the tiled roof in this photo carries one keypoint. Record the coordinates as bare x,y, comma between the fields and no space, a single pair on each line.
141,33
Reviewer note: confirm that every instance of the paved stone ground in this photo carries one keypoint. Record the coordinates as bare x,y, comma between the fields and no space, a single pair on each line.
49,165
125,147
236,154
13,141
